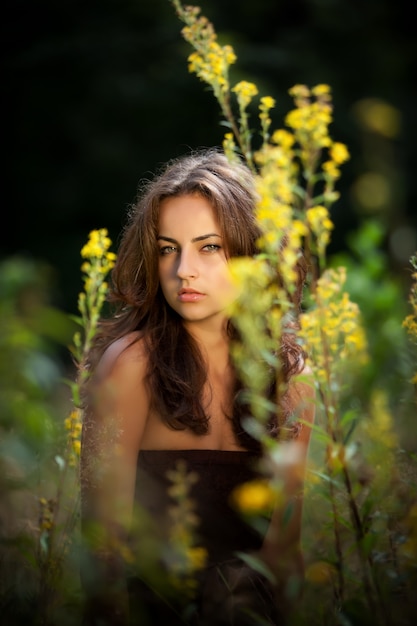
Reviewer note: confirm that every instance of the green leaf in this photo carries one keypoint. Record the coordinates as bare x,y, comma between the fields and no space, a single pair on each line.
368,543
348,417
326,478
44,541
60,462
257,565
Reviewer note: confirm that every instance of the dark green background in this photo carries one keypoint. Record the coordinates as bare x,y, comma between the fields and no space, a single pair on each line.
96,95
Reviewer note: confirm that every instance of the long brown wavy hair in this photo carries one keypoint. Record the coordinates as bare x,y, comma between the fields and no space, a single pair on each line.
176,369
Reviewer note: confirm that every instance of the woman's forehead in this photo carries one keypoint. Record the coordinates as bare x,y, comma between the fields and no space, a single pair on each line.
189,213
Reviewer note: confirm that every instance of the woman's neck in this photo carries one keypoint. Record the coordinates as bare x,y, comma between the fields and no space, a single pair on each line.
213,342
209,335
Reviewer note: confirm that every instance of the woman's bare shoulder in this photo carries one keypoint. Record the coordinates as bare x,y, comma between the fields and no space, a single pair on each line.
129,351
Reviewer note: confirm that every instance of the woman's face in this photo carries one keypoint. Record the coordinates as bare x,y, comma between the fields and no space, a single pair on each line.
193,269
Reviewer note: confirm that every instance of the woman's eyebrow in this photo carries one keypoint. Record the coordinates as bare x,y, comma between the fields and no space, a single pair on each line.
199,238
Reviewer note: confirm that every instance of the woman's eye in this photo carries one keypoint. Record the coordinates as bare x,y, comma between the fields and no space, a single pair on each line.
167,250
211,247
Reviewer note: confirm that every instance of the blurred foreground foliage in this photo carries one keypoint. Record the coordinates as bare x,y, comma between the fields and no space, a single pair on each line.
37,512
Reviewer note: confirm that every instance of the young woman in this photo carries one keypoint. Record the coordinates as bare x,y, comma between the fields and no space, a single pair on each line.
163,388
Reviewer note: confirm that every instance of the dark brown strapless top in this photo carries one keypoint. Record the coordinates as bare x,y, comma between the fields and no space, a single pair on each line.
221,529
228,590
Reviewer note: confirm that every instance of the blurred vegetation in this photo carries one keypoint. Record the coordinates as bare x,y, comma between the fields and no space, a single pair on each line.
34,544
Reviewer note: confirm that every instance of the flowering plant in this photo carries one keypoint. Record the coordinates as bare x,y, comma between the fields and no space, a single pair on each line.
296,170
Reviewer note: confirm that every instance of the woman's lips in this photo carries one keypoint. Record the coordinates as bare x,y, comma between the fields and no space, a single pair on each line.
189,295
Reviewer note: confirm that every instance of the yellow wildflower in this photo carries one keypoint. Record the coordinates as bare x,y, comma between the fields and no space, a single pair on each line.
335,456
283,138
339,152
331,170
46,514
97,244
381,425
229,55
73,425
229,147
320,573
272,214
295,119
321,90
411,325
188,557
197,557
249,274
209,61
254,497
299,228
332,329
320,224
310,121
76,446
318,219
245,92
267,103
299,91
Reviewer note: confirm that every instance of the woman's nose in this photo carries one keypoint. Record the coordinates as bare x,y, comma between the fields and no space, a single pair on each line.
187,265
